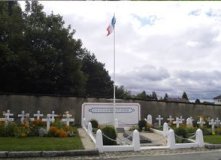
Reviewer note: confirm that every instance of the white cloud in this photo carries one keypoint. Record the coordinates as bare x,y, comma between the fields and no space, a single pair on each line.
160,46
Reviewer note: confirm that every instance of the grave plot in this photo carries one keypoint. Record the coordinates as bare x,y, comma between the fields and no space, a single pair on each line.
185,130
23,125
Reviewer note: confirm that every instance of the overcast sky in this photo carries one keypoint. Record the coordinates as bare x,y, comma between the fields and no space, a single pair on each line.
167,47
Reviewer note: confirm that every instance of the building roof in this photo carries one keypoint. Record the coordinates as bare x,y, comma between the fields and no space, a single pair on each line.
218,97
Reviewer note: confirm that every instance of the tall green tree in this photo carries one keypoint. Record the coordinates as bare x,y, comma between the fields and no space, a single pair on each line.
11,41
38,54
165,97
99,83
122,93
154,96
184,96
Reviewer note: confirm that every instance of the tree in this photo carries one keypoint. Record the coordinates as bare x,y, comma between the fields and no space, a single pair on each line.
38,54
122,93
165,97
11,41
197,101
142,95
154,96
184,96
98,83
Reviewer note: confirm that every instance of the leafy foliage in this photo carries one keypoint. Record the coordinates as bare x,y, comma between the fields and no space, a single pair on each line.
109,132
94,123
142,124
38,54
184,96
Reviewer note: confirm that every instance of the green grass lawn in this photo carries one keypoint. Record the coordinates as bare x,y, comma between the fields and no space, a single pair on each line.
39,144
214,139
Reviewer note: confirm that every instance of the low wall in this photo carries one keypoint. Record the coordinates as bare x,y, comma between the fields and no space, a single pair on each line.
17,103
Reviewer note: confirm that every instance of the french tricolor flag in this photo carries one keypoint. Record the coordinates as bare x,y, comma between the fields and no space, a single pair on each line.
111,26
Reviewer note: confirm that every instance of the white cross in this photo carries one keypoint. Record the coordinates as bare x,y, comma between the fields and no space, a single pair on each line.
192,118
48,120
23,116
177,122
181,119
7,116
212,123
170,119
217,122
201,122
38,115
159,118
68,118
52,115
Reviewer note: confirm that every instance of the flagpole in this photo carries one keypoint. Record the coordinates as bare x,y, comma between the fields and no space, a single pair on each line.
114,99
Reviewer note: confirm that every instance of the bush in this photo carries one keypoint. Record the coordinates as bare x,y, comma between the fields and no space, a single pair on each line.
206,131
142,124
58,124
109,132
94,123
218,131
35,126
71,131
181,132
10,129
190,130
22,131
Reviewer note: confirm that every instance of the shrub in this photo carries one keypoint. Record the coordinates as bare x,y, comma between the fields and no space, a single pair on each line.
22,131
206,131
35,126
71,131
10,129
62,133
218,131
142,124
58,124
190,130
109,132
181,132
53,131
94,123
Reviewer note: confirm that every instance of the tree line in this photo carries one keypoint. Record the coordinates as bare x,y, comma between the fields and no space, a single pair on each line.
38,55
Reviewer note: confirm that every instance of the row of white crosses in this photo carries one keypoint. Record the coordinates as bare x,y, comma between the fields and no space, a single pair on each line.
180,120
50,117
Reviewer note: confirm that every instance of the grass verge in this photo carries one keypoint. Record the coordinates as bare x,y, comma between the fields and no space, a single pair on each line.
213,139
40,143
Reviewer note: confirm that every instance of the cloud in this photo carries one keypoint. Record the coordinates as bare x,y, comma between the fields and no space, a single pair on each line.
168,47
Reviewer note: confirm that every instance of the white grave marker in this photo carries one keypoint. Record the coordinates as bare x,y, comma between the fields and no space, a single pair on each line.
217,122
181,119
201,122
52,115
23,116
7,117
67,118
170,119
159,118
177,122
189,122
149,119
48,120
212,123
38,115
